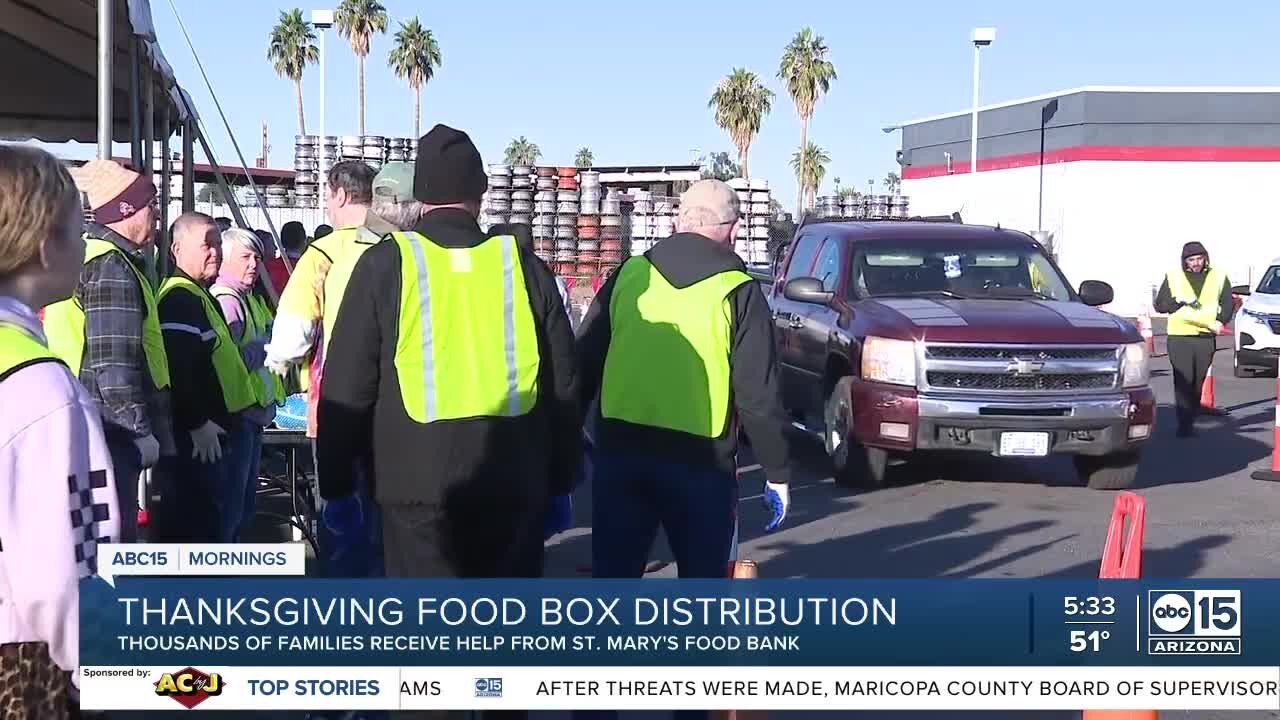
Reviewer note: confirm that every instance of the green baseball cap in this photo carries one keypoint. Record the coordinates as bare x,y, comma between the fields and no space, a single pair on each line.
394,182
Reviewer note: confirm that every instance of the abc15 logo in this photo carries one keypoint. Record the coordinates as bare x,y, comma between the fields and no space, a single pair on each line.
1194,613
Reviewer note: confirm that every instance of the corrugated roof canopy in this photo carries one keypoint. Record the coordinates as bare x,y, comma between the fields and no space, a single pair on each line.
50,49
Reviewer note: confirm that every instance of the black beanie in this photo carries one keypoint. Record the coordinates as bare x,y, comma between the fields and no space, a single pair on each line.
1193,248
448,169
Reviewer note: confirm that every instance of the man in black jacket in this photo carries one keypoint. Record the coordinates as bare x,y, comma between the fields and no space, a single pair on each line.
462,494
1198,300
679,346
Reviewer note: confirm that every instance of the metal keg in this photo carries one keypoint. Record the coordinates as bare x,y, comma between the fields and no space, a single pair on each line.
545,171
545,196
567,196
610,245
643,206
544,208
305,190
610,257
543,244
761,233
522,195
373,140
567,183
499,205
306,140
566,245
567,172
499,170
499,194
591,232
282,190
589,178
738,183
277,201
521,170
610,206
395,156
305,166
350,141
499,181
518,218
371,153
759,184
586,268
304,151
588,221
564,232
521,206
543,221
587,246
567,208
760,221
760,197
547,183
587,207
610,232
610,221
521,181
743,198
567,221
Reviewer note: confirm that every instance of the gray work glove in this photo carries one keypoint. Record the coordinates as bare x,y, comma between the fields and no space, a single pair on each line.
148,450
206,442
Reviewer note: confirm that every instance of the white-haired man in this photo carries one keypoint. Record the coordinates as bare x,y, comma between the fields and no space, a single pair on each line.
249,318
679,347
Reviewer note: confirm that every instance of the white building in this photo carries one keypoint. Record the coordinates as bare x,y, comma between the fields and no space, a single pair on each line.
1120,177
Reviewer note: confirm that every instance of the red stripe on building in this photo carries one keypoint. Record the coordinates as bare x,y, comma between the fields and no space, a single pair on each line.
1151,153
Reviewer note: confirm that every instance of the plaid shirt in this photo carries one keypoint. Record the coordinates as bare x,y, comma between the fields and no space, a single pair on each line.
115,368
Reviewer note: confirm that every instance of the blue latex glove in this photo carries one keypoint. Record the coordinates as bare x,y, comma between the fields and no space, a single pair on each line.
777,498
559,516
344,517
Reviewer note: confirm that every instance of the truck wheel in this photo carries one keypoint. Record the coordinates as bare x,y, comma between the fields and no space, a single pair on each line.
1109,472
855,465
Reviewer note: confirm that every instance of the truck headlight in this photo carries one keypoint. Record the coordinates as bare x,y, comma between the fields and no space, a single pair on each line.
1135,366
889,361
1254,314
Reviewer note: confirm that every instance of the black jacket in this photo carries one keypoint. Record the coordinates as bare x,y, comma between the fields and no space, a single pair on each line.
685,259
188,341
474,468
1165,303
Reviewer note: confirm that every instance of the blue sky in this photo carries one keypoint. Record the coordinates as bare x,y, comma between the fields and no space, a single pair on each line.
631,81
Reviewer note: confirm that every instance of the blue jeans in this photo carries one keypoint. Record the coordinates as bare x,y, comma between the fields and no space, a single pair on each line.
240,484
634,494
364,557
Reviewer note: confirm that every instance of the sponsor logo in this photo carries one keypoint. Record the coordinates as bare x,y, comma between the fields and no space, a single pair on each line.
489,687
189,687
1193,622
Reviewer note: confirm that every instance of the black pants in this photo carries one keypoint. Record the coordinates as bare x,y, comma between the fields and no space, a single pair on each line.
423,541
1191,356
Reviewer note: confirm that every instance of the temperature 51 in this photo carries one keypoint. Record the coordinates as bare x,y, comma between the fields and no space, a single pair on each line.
1088,640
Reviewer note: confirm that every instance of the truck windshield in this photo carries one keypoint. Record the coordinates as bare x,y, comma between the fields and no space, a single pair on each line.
1005,272
1270,284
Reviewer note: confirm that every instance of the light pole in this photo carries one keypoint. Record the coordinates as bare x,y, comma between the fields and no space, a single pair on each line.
322,20
982,37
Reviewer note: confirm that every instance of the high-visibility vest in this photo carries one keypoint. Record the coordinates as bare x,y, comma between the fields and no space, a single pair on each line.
466,343
335,281
1189,321
19,349
64,321
268,387
668,360
233,377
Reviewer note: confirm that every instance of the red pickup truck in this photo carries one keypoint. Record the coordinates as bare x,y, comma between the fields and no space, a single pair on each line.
899,337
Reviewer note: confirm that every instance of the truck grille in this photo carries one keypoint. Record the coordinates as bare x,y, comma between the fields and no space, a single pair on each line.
1029,369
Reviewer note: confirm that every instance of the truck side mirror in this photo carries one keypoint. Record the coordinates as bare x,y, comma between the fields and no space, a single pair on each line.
806,290
1242,290
1095,292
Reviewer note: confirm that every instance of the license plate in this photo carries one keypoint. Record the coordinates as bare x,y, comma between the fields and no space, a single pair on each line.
1024,444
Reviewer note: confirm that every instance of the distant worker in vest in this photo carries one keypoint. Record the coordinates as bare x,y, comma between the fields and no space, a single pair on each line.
678,345
452,356
249,317
108,332
1197,299
56,481
307,299
211,386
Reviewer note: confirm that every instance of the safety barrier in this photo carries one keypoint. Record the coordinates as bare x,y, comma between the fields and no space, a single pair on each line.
1122,560
1273,475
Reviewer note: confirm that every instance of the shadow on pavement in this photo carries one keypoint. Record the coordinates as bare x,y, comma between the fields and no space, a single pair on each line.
1183,560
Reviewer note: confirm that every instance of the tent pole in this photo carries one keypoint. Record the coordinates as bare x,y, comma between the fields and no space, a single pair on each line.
148,125
166,178
135,104
106,52
189,165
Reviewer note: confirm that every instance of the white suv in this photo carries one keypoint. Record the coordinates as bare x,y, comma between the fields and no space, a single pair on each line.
1257,325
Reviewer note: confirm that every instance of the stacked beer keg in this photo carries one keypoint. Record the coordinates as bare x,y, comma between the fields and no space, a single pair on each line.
752,240
899,206
664,212
853,206
612,246
373,150
589,222
521,195
397,150
306,168
496,207
351,148
642,222
544,214
566,233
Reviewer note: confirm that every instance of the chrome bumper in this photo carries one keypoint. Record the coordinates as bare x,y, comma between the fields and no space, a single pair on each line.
1086,409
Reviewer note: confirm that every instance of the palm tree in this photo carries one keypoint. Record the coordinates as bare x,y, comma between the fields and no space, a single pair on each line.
585,158
415,58
810,166
807,70
359,21
522,152
741,102
892,182
291,50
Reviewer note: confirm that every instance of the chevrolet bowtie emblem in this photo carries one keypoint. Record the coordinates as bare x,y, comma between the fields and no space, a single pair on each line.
1025,367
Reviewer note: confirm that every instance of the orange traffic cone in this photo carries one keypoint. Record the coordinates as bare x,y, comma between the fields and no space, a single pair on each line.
1208,401
1122,559
1273,475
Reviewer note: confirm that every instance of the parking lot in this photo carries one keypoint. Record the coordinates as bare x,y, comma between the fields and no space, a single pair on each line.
975,516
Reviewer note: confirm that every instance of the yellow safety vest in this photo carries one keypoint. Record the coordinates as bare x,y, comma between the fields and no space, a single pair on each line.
1189,321
19,349
64,321
668,360
335,281
268,387
466,341
237,388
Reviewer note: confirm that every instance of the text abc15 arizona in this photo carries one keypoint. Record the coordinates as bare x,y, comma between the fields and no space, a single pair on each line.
1193,622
